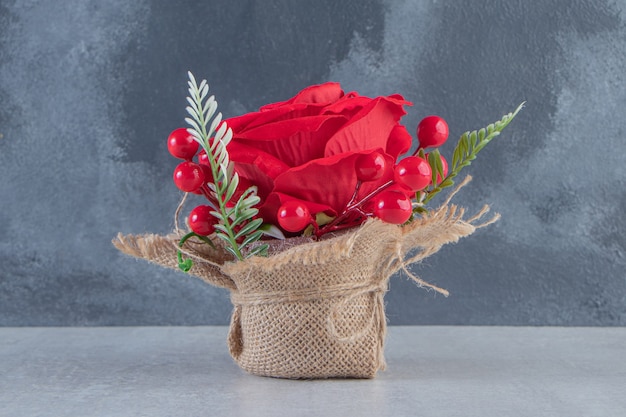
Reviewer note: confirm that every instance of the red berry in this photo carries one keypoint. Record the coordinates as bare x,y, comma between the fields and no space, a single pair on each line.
202,221
203,160
370,167
188,176
413,173
432,132
181,144
393,206
444,165
294,216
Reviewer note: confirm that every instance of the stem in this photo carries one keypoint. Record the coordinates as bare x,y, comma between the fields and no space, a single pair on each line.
224,179
184,265
231,234
417,151
356,192
220,186
336,223
430,194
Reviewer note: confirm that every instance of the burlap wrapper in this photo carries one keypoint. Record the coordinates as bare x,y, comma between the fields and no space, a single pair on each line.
314,309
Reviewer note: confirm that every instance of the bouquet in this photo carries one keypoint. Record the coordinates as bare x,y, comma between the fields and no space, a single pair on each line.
306,208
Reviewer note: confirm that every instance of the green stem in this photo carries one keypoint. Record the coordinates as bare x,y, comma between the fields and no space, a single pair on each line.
186,264
220,189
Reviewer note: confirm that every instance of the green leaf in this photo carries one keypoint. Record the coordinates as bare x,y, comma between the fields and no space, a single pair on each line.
251,238
480,137
236,253
322,219
216,121
249,228
232,187
462,145
455,157
226,239
436,167
252,200
216,214
272,231
260,250
185,265
194,106
221,131
209,108
472,142
192,123
244,215
206,240
220,227
448,182
227,137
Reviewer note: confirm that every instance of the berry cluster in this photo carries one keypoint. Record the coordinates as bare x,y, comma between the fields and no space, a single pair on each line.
193,177
391,201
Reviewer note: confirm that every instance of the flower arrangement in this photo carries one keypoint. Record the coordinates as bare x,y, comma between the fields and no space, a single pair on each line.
309,205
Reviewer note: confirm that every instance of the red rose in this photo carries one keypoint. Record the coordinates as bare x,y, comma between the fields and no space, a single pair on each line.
305,148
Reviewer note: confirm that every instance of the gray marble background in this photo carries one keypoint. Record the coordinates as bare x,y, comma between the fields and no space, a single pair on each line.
89,90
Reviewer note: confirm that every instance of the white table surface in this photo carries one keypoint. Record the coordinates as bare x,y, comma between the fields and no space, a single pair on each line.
432,371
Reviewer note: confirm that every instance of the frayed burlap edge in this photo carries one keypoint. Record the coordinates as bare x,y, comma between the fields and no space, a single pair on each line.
161,250
410,243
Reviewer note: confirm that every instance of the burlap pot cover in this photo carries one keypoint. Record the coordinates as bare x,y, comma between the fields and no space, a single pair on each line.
315,309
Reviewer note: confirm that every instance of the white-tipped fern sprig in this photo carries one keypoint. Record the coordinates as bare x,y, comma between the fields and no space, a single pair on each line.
235,224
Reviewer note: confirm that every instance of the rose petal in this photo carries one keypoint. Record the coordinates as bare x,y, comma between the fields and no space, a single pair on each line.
348,105
329,181
399,141
267,163
255,167
247,121
368,129
316,94
293,141
250,174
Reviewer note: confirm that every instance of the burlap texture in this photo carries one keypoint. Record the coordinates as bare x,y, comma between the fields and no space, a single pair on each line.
316,309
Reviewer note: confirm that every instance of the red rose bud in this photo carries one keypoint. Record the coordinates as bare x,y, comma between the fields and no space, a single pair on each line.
432,132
